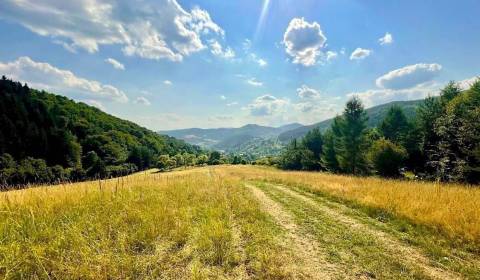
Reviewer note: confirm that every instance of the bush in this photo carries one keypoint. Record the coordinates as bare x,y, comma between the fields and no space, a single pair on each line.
387,158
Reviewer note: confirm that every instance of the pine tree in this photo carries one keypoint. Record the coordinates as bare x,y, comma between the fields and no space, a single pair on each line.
352,144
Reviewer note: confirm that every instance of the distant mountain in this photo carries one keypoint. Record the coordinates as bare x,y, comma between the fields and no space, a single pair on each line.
258,141
227,139
375,116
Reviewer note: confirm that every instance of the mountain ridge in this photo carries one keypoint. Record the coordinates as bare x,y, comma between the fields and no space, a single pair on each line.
254,136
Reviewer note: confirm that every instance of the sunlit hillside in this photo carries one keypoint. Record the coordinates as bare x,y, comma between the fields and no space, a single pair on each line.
241,222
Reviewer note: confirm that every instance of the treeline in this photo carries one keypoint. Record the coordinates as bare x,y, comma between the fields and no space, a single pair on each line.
166,162
46,138
442,141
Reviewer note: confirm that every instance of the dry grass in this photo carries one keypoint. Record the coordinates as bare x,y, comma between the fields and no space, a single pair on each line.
181,225
453,209
196,224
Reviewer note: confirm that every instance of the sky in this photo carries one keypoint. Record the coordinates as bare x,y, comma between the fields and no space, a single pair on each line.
171,64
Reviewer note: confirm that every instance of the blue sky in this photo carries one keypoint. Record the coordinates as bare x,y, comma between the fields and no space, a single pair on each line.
169,64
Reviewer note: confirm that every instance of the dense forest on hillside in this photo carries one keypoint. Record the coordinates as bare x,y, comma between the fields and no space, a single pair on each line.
440,142
46,138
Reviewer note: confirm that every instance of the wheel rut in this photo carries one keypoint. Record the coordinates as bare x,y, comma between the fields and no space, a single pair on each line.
410,255
306,249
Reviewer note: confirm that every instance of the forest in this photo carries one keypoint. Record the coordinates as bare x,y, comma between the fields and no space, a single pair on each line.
441,142
46,138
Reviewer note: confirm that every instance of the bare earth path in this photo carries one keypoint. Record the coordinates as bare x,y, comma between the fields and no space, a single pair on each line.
311,248
304,247
410,255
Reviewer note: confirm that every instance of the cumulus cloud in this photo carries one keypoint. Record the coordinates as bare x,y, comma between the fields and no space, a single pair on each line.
360,53
381,96
386,40
304,41
305,92
409,76
267,105
254,82
142,101
467,83
159,29
219,51
223,97
45,76
167,82
116,64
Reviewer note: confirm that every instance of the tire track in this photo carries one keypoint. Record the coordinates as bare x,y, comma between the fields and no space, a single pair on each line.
304,246
410,255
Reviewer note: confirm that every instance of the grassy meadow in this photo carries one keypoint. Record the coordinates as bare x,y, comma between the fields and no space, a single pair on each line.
240,222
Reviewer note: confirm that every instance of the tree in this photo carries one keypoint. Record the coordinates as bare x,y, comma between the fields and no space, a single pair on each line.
214,158
313,143
329,156
352,141
292,156
202,159
8,168
395,126
387,158
179,160
163,162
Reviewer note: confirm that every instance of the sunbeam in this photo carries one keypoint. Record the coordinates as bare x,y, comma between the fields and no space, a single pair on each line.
261,20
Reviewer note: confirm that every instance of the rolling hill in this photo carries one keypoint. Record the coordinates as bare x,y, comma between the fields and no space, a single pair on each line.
258,141
226,139
375,116
41,130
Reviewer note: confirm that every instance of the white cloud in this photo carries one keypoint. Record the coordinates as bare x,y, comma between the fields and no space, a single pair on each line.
381,96
331,55
116,64
360,53
386,40
223,97
218,50
467,83
260,61
45,76
254,82
167,82
305,92
267,105
142,101
247,45
409,76
232,104
95,103
303,41
159,29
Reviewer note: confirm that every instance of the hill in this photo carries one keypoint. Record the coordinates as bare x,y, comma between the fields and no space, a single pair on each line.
40,129
375,116
228,139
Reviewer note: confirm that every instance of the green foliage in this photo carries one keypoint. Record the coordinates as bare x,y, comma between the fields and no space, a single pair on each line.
38,125
352,139
387,158
395,126
215,158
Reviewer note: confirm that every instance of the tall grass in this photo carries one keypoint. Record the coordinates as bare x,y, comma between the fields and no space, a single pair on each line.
453,209
179,225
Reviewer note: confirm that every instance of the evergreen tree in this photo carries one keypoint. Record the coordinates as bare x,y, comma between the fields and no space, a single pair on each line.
313,144
395,126
352,144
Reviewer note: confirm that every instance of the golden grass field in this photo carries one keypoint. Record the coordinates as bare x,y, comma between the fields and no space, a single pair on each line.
241,222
